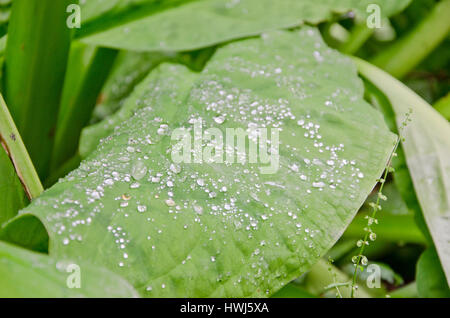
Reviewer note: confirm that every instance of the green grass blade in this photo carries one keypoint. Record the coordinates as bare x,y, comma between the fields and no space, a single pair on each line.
13,143
76,112
13,194
36,58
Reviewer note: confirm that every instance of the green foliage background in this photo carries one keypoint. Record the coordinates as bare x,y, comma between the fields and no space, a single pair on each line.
90,103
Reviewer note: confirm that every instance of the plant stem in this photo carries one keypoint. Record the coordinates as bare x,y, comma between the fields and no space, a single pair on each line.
408,52
358,36
373,215
15,148
35,63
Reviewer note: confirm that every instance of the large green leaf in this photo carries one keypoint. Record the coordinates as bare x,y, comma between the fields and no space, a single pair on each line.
427,151
130,69
155,88
225,229
25,274
171,25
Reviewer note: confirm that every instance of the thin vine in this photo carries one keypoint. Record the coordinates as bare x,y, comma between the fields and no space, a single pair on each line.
360,260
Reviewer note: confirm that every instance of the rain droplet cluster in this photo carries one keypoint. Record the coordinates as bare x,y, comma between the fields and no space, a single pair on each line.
167,226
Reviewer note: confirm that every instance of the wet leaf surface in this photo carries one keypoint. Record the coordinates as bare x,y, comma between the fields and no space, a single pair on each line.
216,229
